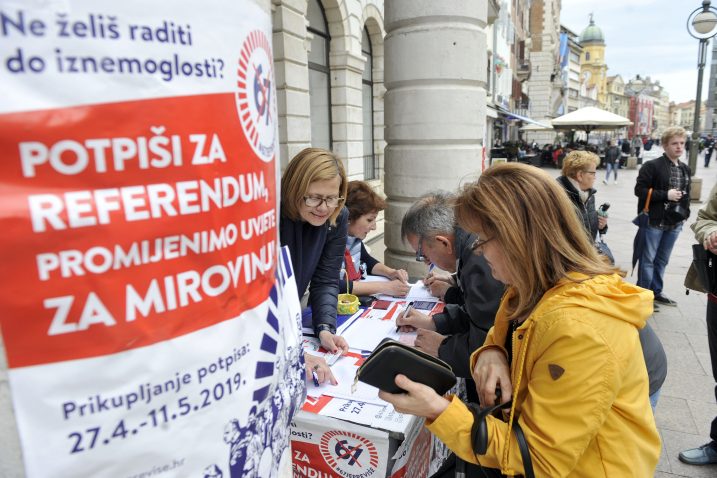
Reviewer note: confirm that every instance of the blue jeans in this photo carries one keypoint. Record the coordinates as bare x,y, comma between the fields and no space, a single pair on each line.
654,398
610,167
655,255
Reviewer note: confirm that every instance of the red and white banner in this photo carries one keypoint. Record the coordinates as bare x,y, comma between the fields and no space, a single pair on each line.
146,316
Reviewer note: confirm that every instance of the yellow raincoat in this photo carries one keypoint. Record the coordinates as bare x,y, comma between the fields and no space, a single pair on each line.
579,383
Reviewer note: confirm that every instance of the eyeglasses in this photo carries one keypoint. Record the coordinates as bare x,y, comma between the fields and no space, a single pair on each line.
590,172
477,246
315,201
419,252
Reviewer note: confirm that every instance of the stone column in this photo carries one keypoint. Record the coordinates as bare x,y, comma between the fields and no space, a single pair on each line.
435,105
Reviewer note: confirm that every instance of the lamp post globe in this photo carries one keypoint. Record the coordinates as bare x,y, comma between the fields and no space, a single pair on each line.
704,22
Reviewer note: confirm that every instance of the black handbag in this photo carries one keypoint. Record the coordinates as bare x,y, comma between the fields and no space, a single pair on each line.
704,263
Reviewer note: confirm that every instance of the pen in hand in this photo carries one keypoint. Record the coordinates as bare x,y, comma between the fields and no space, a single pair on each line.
430,269
405,313
315,376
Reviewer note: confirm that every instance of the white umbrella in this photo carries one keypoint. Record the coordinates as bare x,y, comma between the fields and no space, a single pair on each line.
589,119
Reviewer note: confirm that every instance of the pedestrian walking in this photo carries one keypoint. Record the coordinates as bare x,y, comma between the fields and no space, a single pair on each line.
625,151
612,156
705,228
710,146
636,145
666,181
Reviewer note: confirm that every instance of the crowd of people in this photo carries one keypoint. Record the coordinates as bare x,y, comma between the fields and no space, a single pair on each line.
537,316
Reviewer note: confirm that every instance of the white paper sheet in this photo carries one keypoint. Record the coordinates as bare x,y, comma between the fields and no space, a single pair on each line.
370,278
365,333
418,292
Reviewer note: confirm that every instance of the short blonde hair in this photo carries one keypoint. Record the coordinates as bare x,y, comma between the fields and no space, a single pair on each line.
535,224
309,166
577,161
671,132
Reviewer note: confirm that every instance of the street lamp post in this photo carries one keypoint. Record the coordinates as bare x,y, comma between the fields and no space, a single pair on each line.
701,24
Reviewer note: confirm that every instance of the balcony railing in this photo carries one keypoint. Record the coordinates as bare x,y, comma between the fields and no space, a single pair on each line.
523,71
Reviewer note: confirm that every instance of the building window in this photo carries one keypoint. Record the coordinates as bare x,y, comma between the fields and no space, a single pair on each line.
587,56
370,169
319,77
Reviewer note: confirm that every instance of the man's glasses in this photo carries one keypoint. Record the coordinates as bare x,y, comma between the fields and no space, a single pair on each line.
315,201
419,251
477,246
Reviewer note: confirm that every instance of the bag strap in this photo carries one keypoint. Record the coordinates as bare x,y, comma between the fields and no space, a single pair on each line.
646,209
524,450
479,435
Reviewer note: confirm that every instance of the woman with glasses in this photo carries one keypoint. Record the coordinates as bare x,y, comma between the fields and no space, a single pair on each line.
364,205
564,349
313,225
578,178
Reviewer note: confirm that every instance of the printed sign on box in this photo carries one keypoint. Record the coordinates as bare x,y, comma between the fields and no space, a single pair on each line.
322,446
145,311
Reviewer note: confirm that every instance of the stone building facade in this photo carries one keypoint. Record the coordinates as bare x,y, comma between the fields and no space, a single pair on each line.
545,83
617,101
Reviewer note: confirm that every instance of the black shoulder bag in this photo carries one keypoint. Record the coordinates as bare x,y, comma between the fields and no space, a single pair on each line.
479,434
705,264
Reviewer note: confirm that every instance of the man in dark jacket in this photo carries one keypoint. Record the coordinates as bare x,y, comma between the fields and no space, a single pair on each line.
429,227
625,151
669,180
612,160
710,146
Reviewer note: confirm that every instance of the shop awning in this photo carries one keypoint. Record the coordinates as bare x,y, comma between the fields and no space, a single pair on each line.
516,116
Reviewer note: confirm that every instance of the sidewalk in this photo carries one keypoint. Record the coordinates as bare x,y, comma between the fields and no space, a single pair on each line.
687,406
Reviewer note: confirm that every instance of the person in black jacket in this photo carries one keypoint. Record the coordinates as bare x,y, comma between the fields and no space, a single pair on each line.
669,179
314,226
710,146
579,170
429,227
625,148
612,161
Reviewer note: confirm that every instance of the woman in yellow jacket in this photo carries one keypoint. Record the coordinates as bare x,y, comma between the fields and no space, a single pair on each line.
564,348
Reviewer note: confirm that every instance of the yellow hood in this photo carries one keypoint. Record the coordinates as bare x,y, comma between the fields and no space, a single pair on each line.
604,294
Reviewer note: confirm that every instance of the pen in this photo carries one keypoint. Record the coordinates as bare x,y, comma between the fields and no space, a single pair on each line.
430,269
315,377
405,313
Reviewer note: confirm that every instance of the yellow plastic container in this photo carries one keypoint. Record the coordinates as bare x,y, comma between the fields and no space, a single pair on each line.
348,303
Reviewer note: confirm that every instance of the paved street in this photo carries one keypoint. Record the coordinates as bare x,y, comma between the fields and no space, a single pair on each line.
687,404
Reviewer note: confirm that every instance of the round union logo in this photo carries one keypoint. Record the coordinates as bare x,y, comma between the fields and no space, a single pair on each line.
349,454
255,98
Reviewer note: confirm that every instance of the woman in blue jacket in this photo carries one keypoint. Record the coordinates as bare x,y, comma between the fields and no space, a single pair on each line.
314,226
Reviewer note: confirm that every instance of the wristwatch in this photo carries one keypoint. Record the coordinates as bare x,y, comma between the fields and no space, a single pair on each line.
321,327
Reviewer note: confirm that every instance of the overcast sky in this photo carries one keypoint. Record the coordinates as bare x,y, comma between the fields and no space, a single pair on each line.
646,37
